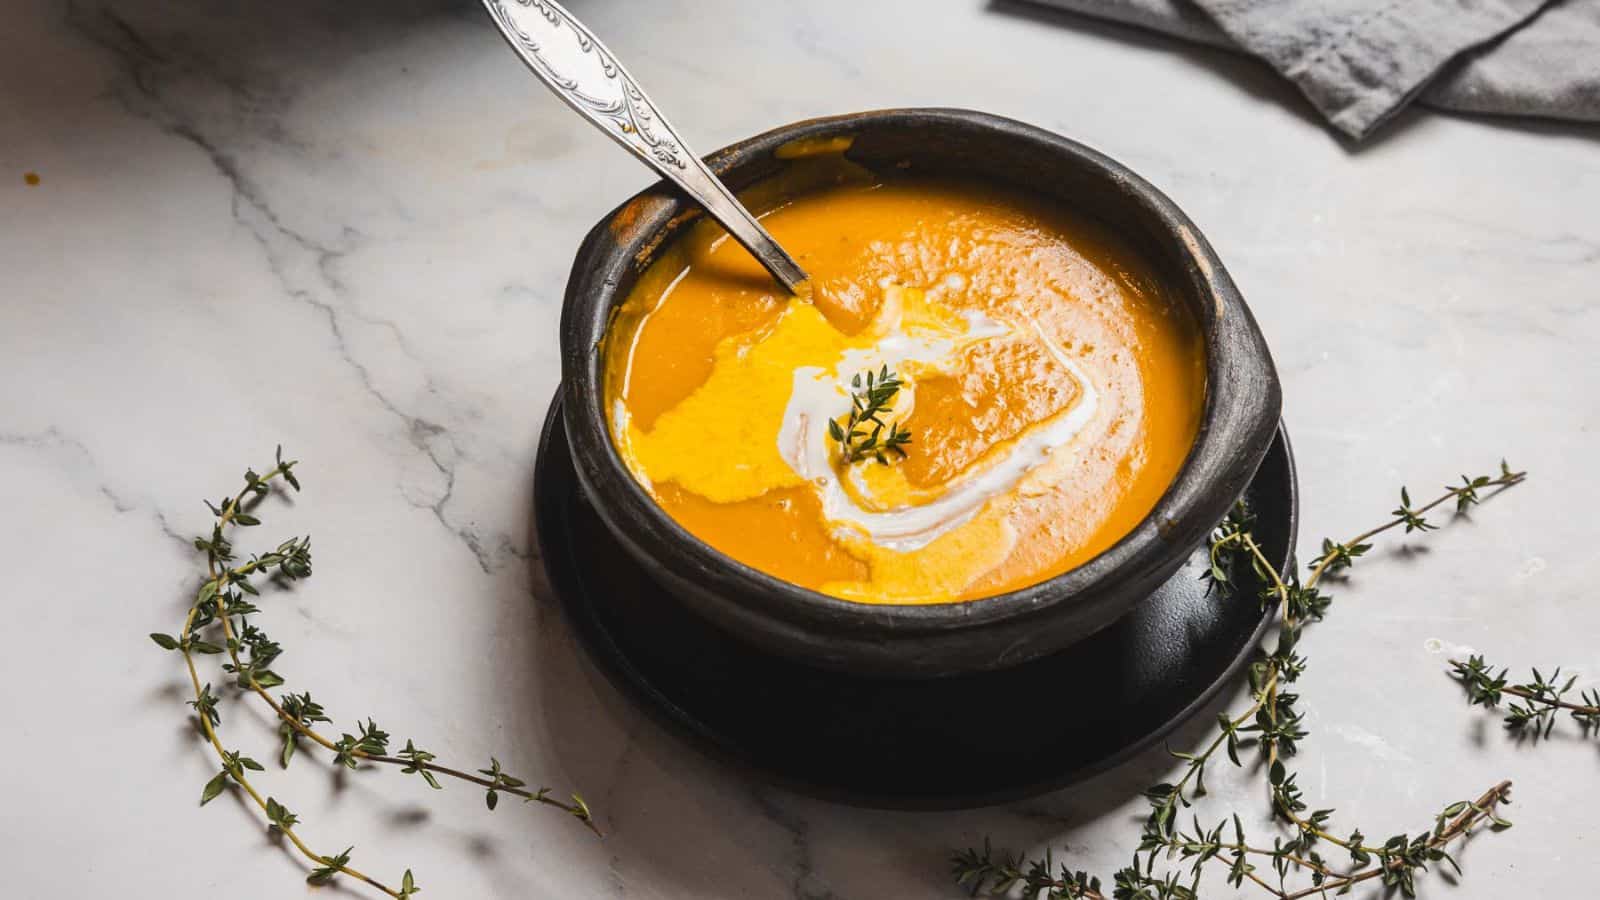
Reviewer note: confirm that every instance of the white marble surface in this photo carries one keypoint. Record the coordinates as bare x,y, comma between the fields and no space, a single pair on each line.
346,227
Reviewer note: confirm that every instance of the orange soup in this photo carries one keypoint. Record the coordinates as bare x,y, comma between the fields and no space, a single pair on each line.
1042,391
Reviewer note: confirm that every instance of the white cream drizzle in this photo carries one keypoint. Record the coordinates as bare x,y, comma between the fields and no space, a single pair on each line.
817,395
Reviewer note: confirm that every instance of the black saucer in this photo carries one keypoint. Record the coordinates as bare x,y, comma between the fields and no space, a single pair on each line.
965,741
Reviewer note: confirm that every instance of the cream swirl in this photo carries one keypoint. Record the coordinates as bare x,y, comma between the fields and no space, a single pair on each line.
818,394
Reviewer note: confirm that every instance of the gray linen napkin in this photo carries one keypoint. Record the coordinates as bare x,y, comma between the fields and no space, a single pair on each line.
1361,61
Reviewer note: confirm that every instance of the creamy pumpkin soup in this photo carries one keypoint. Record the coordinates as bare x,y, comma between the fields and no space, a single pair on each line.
979,392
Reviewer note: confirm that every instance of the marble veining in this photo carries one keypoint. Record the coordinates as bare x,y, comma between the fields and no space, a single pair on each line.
346,227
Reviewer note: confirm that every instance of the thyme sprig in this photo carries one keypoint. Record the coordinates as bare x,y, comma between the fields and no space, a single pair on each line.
1543,699
984,872
1272,726
862,436
221,611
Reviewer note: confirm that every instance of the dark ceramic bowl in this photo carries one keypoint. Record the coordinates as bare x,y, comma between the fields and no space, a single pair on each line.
1241,408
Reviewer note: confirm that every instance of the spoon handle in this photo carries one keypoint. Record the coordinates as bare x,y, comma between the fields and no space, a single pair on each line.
572,62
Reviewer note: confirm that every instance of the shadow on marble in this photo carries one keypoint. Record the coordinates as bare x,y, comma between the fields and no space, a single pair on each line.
1584,132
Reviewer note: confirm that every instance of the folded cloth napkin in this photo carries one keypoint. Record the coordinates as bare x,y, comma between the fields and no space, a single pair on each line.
1361,61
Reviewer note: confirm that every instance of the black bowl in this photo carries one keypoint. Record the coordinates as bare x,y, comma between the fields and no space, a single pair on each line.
1241,408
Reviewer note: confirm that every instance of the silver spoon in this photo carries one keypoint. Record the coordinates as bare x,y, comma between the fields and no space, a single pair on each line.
572,62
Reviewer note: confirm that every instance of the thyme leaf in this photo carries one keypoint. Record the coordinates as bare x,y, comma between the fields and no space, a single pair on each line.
864,434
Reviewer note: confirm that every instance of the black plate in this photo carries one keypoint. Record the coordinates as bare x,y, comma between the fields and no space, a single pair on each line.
925,744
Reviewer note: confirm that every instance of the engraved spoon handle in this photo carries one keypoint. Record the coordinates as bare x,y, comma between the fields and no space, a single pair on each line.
572,62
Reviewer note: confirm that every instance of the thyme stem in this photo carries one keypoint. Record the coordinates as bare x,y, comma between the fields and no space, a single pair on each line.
1483,808
221,601
236,773
1518,691
1271,719
1543,697
540,796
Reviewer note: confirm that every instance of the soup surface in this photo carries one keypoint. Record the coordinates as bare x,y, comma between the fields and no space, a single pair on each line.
1049,390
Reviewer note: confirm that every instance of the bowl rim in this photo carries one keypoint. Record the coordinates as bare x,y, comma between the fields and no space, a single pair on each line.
1238,419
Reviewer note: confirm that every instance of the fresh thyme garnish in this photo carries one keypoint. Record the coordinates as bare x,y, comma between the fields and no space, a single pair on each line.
1273,727
220,611
862,435
1543,699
